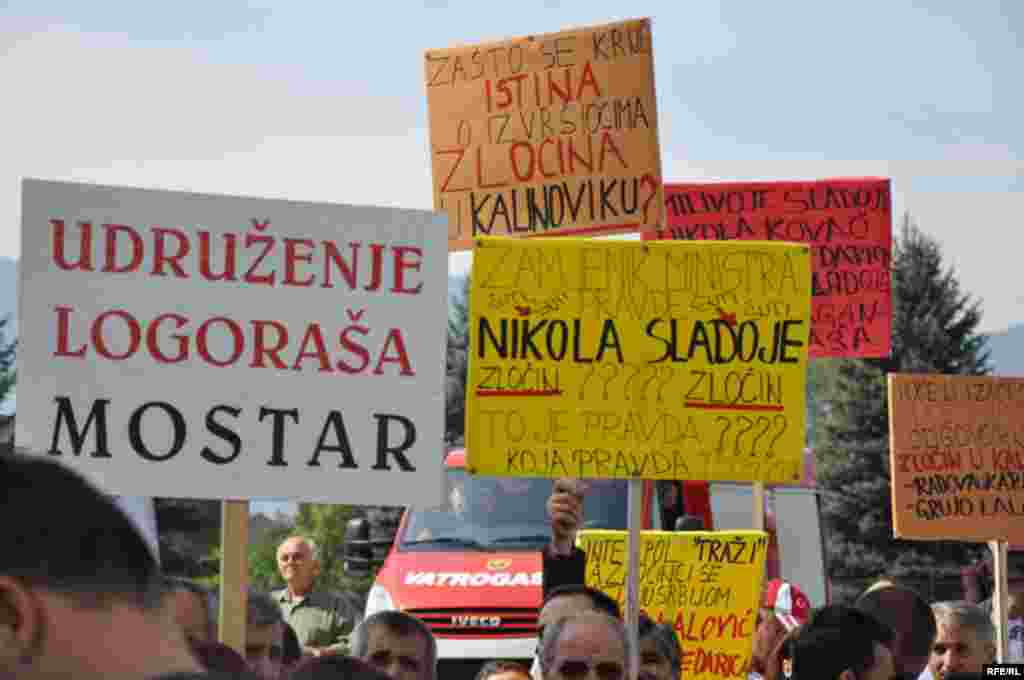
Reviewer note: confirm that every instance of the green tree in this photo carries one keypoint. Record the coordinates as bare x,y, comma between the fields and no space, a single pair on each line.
8,352
934,331
263,573
325,525
457,363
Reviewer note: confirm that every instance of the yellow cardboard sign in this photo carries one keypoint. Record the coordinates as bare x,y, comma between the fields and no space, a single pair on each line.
546,134
653,360
707,584
957,457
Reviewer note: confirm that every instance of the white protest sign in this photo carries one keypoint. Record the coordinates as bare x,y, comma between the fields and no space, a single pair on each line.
188,345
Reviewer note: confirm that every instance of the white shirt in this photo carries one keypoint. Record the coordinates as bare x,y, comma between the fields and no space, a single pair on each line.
926,674
1015,648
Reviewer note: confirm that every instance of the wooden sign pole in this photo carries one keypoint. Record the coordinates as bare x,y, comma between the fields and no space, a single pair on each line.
234,573
1000,599
635,521
759,518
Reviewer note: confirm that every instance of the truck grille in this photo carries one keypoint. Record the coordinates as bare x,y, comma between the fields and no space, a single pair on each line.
480,622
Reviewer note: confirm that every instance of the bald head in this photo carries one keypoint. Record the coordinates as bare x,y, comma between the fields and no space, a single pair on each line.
297,562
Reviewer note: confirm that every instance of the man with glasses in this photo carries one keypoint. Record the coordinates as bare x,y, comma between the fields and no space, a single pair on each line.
321,620
589,646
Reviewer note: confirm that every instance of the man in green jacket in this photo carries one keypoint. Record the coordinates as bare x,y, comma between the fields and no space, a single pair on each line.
321,620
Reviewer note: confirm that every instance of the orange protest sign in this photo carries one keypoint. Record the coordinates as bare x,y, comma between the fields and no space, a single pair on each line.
546,135
846,221
957,457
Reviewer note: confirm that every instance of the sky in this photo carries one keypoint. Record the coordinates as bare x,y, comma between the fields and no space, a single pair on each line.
326,102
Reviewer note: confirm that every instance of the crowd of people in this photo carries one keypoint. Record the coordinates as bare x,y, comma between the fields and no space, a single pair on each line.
82,596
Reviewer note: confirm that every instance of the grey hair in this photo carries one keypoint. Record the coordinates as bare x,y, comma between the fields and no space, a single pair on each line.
965,615
398,622
314,549
553,633
261,610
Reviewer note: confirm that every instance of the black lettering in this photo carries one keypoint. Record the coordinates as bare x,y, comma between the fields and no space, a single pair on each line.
383,449
135,431
277,438
343,447
97,413
222,432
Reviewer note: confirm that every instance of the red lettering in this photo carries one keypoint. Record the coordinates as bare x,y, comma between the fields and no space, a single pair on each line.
63,335
111,249
480,172
558,154
458,161
401,358
504,89
706,630
401,264
135,334
355,348
608,143
377,250
349,272
291,256
261,348
230,248
237,341
313,335
84,246
588,79
160,256
153,343
515,166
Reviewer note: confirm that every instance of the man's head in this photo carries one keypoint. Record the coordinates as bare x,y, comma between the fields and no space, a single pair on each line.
398,644
567,601
966,639
264,636
503,670
74,575
783,607
911,621
661,657
298,563
193,609
592,646
841,643
572,599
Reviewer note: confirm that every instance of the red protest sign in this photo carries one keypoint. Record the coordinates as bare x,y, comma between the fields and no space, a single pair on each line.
848,224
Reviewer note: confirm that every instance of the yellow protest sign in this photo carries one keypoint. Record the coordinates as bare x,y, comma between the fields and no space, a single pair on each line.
546,134
707,584
657,360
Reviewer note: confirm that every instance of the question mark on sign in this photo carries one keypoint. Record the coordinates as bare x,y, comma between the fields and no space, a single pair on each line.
652,182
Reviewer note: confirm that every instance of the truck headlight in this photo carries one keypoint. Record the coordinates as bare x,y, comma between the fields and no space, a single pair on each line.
378,600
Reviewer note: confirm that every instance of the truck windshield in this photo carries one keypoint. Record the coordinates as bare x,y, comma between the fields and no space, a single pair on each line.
503,513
